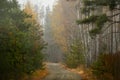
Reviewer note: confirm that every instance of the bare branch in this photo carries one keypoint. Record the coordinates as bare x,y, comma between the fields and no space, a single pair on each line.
114,15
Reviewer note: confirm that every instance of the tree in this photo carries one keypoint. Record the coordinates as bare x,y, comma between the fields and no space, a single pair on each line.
17,53
76,56
35,39
66,32
103,21
57,26
106,20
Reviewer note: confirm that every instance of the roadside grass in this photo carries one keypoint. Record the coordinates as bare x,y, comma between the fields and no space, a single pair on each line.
85,73
37,75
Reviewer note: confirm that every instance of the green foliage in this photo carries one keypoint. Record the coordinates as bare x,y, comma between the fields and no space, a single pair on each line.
20,50
91,19
76,55
101,2
111,3
98,20
87,10
89,2
98,66
107,67
101,20
93,32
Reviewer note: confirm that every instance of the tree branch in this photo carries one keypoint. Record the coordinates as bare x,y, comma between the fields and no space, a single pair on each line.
114,15
117,8
114,21
107,27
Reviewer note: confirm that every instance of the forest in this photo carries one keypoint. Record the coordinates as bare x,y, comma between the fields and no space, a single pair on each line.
21,41
80,35
89,35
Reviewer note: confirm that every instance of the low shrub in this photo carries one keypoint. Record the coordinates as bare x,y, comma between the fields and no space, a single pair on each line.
107,67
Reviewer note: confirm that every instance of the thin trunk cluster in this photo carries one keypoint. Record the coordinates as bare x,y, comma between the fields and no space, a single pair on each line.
108,41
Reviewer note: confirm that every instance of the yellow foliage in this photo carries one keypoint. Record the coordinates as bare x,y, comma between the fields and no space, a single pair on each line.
85,73
29,10
58,28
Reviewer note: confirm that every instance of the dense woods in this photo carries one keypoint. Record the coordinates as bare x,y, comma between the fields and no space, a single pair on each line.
21,41
101,18
94,39
78,33
65,30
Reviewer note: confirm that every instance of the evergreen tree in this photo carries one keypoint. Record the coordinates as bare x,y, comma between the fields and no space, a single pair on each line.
20,50
99,19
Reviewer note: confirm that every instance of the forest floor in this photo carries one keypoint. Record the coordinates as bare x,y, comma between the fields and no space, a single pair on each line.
56,71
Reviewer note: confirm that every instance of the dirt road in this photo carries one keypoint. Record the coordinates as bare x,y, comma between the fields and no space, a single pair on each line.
57,72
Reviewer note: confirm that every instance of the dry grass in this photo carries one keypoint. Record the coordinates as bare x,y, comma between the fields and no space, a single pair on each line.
37,75
85,73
